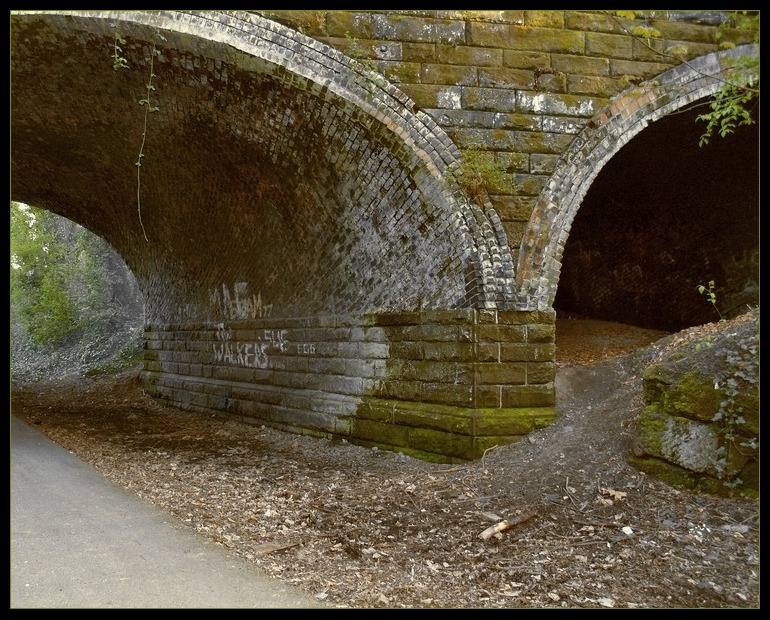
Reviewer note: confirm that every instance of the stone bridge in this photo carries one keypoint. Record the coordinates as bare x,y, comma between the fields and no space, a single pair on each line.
354,223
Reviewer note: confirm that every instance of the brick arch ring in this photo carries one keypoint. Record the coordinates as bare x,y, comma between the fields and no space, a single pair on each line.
429,156
544,238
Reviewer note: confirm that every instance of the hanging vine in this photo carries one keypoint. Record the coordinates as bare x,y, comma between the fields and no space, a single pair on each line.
119,62
149,108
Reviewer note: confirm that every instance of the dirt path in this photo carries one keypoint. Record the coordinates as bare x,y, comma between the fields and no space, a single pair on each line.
364,528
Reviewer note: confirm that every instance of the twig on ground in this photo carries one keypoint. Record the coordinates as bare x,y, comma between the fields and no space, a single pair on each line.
483,456
506,524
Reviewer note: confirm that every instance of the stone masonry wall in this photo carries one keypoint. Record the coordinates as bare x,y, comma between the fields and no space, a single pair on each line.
443,385
519,85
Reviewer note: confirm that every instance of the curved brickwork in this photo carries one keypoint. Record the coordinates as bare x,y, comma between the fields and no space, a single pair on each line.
521,85
347,185
606,134
300,223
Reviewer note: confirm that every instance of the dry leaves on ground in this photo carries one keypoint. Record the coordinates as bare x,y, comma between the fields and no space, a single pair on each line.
557,520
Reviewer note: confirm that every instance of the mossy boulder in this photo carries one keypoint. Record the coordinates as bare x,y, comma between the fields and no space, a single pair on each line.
700,426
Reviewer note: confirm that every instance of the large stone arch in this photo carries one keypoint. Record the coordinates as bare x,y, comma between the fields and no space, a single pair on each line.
306,253
548,228
264,138
306,256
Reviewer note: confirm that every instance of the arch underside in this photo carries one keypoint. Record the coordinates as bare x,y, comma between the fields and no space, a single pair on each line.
543,242
273,174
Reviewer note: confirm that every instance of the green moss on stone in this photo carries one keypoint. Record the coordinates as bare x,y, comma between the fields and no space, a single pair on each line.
380,432
437,442
512,421
655,382
685,479
665,471
447,433
651,426
693,396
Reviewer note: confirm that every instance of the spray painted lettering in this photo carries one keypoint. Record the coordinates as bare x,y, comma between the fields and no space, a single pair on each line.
253,354
250,354
239,304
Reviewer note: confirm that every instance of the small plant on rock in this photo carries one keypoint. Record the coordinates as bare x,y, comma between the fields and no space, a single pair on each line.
711,296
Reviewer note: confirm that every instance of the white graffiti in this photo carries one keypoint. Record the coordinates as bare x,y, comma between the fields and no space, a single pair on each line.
254,354
277,338
223,333
239,304
249,354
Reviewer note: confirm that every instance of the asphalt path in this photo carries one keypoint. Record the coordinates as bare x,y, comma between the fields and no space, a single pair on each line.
80,541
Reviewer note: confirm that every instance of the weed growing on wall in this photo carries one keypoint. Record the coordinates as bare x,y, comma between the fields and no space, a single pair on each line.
373,78
149,108
119,62
482,173
355,51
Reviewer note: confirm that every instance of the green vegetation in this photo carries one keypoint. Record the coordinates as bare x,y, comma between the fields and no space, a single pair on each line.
734,103
355,51
41,276
482,173
702,413
69,290
118,61
710,296
149,108
127,358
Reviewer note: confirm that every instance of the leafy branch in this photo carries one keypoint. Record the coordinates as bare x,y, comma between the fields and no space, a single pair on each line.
730,106
118,61
711,296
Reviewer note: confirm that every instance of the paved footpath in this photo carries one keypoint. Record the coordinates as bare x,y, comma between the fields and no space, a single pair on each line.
80,541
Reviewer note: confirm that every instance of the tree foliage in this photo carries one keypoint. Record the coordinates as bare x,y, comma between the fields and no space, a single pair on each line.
39,276
61,280
736,102
733,104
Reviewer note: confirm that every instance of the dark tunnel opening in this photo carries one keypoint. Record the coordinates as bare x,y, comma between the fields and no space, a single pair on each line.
663,217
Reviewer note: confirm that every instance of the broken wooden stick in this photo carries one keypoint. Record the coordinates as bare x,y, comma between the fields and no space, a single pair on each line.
268,547
506,524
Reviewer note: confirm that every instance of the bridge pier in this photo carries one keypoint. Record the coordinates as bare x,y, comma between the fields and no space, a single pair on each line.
442,385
